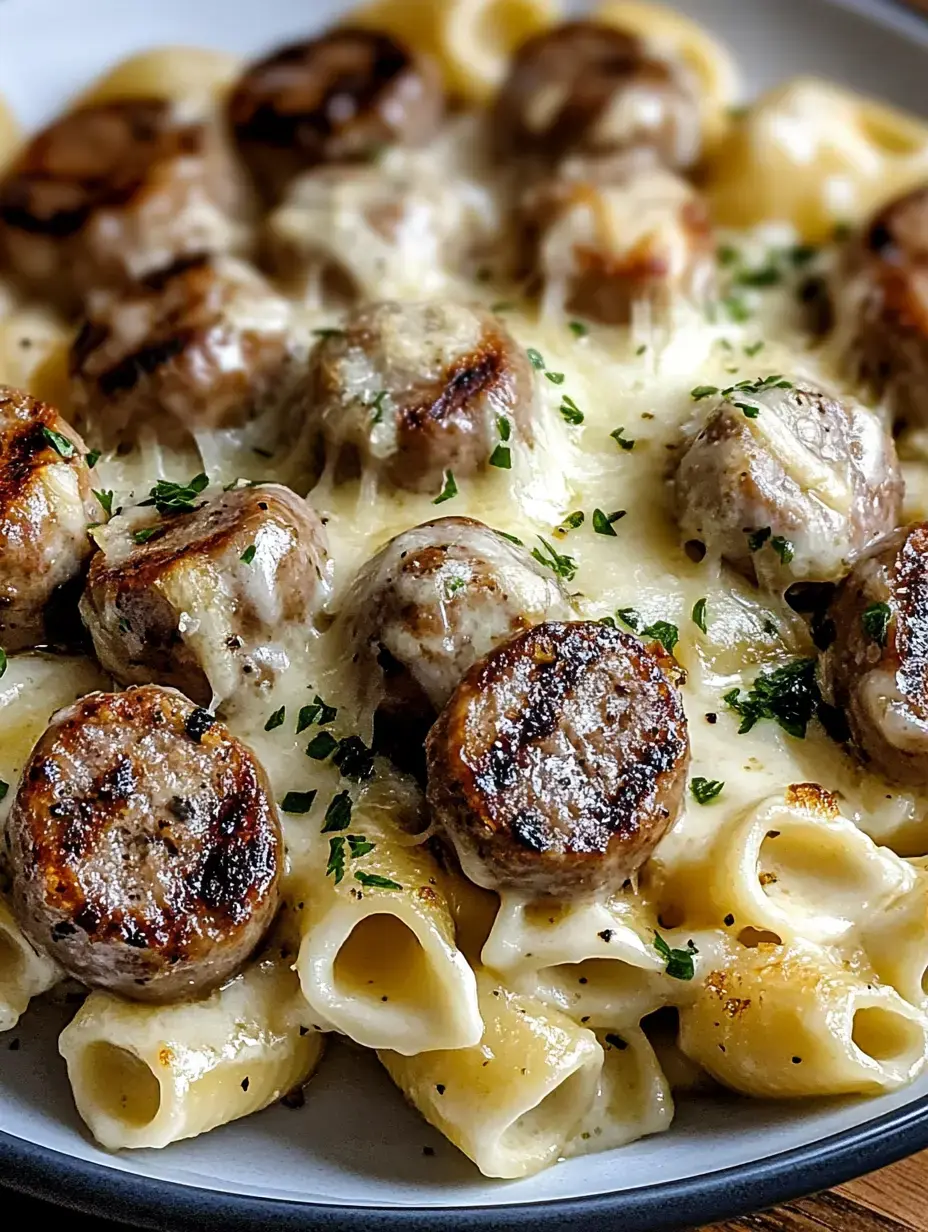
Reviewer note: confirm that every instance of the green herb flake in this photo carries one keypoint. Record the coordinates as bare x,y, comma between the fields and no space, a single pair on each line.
727,255
705,790
4,788
755,348
678,963
749,411
106,501
502,305
801,254
536,359
511,538
317,712
174,498
699,614
146,533
875,621
322,745
359,845
662,631
276,719
61,445
298,801
766,276
377,407
501,458
452,585
336,863
3,661
354,759
788,695
578,329
338,814
556,378
783,548
248,555
624,442
448,491
630,618
564,566
736,308
757,538
503,427
703,391
570,411
641,349
572,521
602,522
373,881
93,458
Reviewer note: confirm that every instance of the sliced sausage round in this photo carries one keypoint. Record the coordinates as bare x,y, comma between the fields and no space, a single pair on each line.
406,391
876,667
113,190
604,249
786,482
880,304
560,761
432,602
591,91
144,846
46,507
209,598
200,345
339,98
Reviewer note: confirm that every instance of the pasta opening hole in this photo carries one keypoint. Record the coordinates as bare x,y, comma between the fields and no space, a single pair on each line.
546,1121
753,937
11,960
382,961
120,1085
813,870
885,1036
924,980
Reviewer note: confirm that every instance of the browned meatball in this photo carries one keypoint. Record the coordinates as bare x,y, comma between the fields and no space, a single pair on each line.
336,99
405,391
589,91
881,307
560,761
209,598
203,344
432,602
876,668
111,191
787,483
46,506
605,249
144,846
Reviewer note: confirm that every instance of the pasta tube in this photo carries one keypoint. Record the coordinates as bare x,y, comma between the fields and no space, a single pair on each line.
895,940
512,1102
379,960
785,1021
24,973
634,1097
145,1075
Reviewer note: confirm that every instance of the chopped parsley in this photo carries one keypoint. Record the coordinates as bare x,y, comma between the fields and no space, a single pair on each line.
749,411
504,427
354,759
501,458
875,621
61,445
789,695
377,407
556,378
146,533
322,745
572,521
336,863
678,963
641,349
536,359
624,442
578,329
298,801
736,308
123,625
511,538
448,491
359,845
570,411
768,275
198,723
705,790
3,661
703,391
754,349
502,305
564,566
248,555
783,548
106,501
757,538
630,618
373,881
93,458
276,719
602,522
173,498
452,585
4,788
338,814
317,712
699,614
662,631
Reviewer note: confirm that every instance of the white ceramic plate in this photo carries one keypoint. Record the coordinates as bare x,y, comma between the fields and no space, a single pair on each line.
353,1157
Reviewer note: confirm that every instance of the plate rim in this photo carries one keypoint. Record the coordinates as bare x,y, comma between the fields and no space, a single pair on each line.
93,1188
148,1202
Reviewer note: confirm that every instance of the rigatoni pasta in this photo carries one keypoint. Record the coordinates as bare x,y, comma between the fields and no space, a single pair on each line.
24,973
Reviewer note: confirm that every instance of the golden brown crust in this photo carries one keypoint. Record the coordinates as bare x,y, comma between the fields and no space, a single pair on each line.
560,761
144,845
339,98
